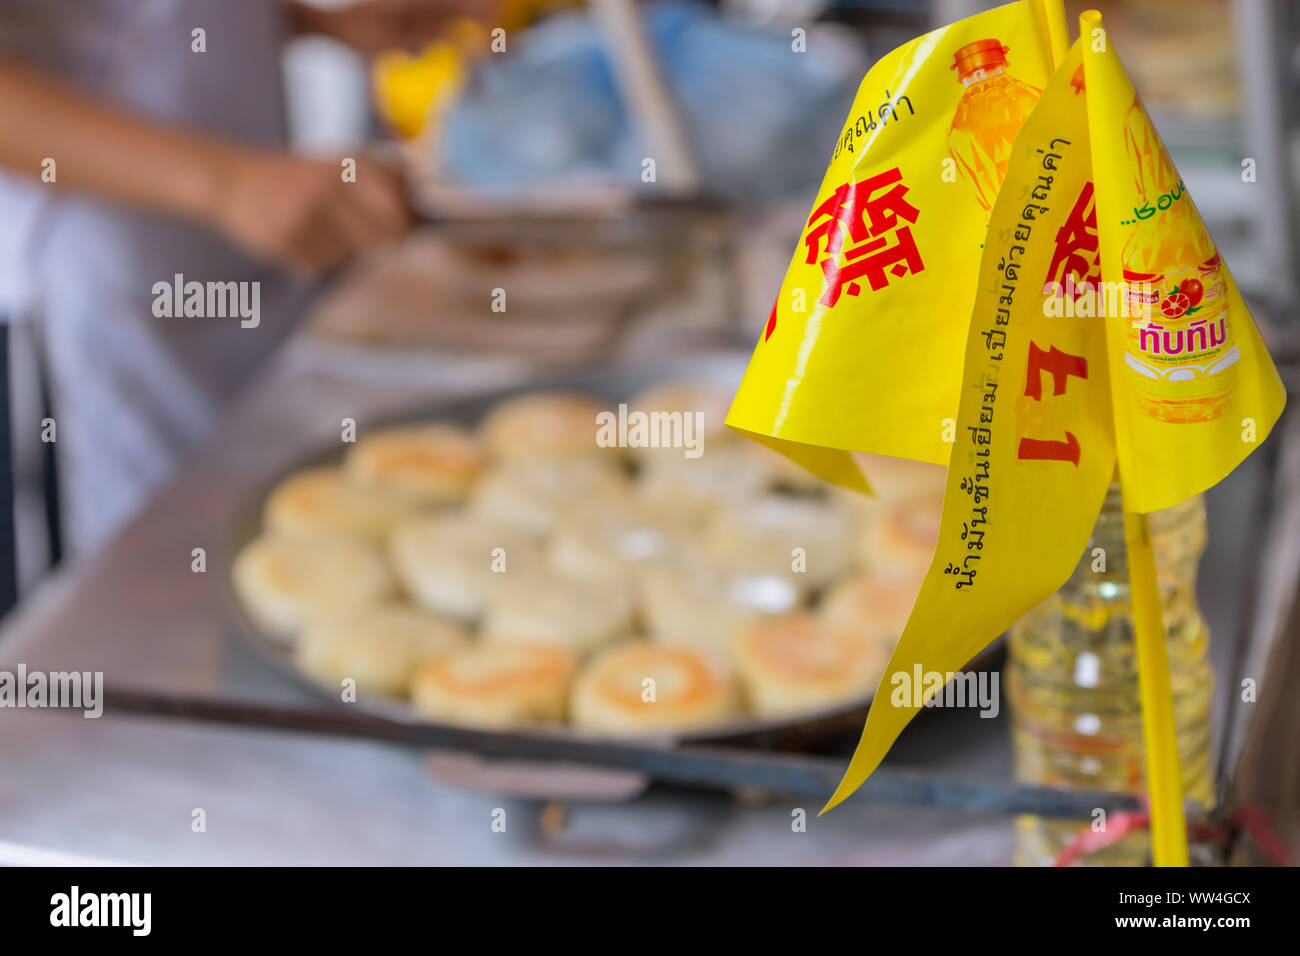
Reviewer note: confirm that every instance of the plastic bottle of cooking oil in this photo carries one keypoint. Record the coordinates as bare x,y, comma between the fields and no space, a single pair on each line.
1073,684
1180,351
988,117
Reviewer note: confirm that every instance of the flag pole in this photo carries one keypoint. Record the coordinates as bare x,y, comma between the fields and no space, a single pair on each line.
1159,725
1159,728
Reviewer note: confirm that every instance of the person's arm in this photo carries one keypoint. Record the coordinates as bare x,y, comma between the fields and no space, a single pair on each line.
104,151
295,211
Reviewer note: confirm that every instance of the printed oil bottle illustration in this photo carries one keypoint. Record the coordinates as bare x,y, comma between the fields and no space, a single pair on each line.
1179,345
989,114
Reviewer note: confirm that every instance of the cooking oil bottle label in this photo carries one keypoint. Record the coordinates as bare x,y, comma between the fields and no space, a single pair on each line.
1179,349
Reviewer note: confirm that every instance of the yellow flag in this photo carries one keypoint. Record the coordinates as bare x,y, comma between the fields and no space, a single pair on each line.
1034,453
1105,331
1195,390
862,350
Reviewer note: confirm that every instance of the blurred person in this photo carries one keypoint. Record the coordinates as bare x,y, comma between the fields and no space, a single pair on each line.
138,154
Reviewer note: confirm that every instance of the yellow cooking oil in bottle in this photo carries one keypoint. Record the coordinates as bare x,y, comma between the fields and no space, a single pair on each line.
1179,349
989,115
1072,681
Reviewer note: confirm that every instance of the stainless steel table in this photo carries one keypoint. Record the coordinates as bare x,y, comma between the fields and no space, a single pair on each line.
124,789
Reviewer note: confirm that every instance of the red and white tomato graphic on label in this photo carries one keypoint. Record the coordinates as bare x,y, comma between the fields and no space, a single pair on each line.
1194,291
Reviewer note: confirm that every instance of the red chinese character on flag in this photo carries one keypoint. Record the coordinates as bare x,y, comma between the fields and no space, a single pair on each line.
869,221
1076,265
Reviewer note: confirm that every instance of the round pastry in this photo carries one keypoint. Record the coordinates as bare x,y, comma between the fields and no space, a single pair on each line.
794,664
535,496
688,601
377,645
544,425
430,464
693,415
892,480
450,562
546,608
280,578
697,487
325,499
873,606
899,544
806,540
610,537
504,685
645,688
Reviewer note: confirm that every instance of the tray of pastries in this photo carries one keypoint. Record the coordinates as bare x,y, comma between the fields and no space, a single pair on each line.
526,560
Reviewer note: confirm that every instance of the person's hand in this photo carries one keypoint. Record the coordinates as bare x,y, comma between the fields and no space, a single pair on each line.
301,213
374,25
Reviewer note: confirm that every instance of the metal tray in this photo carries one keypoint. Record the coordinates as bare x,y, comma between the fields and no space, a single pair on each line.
614,384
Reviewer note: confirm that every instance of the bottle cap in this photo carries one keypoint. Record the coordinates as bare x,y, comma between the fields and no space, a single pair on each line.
979,55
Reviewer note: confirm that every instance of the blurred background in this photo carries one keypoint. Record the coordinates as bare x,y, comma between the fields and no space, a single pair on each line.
635,177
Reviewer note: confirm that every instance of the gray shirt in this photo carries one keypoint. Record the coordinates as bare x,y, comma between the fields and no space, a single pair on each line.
134,392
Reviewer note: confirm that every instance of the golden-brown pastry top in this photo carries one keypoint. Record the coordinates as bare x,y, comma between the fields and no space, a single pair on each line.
647,688
431,463
327,500
498,685
794,664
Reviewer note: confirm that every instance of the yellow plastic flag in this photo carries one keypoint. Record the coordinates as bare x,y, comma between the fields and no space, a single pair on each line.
1105,331
863,347
1034,453
1195,389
